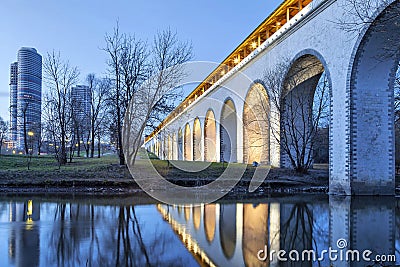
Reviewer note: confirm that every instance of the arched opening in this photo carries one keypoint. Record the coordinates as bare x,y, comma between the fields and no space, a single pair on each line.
188,144
210,139
255,232
158,148
209,221
159,143
228,132
256,125
186,211
371,107
169,147
196,217
180,144
197,147
305,113
174,147
227,229
165,150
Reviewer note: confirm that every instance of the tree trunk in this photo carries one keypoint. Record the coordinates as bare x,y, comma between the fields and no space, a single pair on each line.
92,143
98,146
119,130
63,151
71,155
79,143
25,137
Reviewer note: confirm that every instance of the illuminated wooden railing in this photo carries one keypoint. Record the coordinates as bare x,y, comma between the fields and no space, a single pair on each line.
287,10
188,241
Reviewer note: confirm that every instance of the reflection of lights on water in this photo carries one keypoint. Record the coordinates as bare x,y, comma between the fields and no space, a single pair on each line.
29,224
185,237
29,212
11,213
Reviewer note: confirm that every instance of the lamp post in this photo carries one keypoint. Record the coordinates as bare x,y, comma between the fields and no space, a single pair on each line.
31,135
30,150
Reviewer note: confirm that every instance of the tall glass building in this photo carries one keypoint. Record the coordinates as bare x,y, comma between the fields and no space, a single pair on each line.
28,95
13,101
81,98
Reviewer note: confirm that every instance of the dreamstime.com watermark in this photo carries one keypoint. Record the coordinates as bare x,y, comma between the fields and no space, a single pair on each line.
340,254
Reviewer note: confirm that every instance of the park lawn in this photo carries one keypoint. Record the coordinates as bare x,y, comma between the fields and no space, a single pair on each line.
45,171
49,163
106,172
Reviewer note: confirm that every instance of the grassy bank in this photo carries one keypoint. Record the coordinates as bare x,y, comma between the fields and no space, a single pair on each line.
49,163
44,170
105,172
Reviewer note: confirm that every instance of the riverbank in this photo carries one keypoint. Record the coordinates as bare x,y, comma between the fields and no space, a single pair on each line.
105,176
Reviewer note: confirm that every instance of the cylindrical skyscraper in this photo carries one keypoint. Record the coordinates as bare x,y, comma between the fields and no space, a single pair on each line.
29,95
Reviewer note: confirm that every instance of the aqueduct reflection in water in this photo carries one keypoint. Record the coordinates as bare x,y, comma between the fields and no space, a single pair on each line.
114,232
232,234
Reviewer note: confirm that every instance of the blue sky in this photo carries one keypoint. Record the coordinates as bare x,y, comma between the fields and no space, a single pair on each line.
77,28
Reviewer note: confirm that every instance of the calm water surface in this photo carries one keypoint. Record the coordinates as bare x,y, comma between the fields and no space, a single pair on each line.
85,231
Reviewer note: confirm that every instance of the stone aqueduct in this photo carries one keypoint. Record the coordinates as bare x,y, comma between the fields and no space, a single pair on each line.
210,125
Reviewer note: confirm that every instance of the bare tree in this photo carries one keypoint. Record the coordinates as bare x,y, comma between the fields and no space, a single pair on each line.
131,65
22,120
114,47
134,65
300,100
151,98
38,136
21,123
60,77
51,126
168,53
361,14
4,126
98,90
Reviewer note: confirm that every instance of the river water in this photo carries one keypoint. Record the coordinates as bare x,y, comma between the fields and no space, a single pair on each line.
126,231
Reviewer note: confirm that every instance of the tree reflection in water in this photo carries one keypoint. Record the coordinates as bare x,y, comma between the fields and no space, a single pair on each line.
296,230
301,230
120,240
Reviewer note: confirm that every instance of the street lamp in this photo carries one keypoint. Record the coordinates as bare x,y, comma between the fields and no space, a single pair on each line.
30,150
